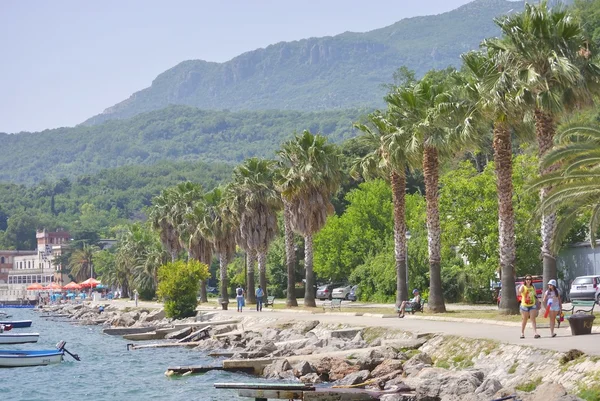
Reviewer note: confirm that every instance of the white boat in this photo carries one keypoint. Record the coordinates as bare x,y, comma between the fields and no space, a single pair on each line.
13,359
18,338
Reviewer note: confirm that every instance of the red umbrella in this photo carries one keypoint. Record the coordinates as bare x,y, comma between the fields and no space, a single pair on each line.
35,287
53,286
72,286
90,282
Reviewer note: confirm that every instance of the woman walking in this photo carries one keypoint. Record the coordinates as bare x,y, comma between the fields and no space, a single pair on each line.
528,306
553,304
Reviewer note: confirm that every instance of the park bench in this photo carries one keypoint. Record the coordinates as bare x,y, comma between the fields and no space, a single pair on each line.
578,306
270,300
334,303
409,307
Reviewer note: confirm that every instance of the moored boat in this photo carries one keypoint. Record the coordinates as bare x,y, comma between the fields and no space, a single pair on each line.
16,324
18,358
18,338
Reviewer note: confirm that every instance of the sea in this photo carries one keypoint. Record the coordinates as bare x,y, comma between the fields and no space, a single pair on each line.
107,370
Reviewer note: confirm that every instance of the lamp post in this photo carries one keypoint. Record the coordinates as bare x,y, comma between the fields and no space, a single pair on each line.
407,235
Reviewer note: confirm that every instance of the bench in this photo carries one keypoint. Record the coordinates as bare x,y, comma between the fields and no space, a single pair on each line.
409,308
270,300
334,303
576,307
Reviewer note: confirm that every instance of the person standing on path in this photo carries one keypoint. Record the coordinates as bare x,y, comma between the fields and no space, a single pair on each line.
259,299
553,305
239,296
135,296
528,306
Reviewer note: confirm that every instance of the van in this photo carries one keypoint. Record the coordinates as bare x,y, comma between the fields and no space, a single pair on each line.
586,288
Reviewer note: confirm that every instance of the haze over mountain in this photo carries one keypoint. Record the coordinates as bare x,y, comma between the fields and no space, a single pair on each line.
336,72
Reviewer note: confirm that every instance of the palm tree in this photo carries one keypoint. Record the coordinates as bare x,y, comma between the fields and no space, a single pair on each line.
310,175
162,218
81,262
575,186
389,159
216,222
423,111
256,202
547,50
492,91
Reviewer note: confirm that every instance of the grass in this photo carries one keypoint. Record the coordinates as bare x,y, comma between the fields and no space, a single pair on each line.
513,368
590,394
530,385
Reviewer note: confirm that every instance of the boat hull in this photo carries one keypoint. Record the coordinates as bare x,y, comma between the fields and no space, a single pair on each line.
17,324
15,359
19,338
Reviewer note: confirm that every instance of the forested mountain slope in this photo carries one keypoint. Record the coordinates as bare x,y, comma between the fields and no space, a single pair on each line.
173,133
342,71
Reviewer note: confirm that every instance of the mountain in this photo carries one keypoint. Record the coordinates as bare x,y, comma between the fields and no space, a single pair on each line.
175,133
334,72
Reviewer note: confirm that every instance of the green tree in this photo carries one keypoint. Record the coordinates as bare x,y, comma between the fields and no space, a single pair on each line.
178,284
81,262
310,176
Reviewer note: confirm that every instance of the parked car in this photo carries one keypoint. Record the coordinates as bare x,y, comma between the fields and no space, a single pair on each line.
341,292
537,282
352,295
585,288
325,291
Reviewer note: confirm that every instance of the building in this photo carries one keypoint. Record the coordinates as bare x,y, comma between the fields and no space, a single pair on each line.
579,259
19,269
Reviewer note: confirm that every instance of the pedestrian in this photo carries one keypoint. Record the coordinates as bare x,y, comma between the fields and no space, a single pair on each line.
259,299
528,306
415,303
239,298
553,304
135,296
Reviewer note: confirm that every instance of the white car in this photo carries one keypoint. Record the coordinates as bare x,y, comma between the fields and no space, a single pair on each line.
341,292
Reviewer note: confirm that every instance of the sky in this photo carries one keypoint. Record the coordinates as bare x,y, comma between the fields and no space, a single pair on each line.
63,61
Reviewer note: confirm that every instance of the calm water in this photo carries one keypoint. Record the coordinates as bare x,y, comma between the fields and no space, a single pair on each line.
107,371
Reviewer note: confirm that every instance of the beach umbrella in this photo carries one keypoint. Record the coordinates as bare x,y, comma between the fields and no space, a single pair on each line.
72,286
53,287
35,287
89,283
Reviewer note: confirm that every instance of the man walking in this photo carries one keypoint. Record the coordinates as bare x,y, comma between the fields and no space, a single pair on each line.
259,299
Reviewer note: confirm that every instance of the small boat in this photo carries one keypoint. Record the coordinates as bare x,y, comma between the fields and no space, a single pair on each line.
4,315
18,338
20,358
17,324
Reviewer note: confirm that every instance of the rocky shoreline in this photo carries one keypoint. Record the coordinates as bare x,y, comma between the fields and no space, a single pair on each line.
425,368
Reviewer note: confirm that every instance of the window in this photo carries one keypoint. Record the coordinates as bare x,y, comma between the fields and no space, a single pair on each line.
2,259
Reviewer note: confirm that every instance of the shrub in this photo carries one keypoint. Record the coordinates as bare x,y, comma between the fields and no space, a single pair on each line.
178,284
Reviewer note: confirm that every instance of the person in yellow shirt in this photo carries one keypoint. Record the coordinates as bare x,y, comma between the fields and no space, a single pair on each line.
528,306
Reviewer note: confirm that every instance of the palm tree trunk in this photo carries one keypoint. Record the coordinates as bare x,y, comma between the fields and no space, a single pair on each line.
398,182
544,129
431,176
506,217
290,256
203,294
250,290
262,271
309,290
223,281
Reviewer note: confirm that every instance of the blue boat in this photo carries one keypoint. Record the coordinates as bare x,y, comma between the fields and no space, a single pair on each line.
16,324
13,359
17,306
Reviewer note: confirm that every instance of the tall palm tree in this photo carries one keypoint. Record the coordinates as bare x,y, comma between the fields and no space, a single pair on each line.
575,186
217,223
389,159
256,202
81,262
548,51
310,175
162,216
492,94
423,110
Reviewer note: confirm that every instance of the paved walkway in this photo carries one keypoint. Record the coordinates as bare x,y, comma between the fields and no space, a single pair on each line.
504,332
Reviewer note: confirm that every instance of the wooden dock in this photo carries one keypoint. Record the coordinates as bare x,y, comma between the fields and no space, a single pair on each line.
194,370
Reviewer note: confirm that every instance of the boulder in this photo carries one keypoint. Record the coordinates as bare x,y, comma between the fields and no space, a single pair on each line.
489,387
398,397
417,363
386,367
274,370
157,314
353,378
550,391
271,335
179,334
311,378
302,369
446,385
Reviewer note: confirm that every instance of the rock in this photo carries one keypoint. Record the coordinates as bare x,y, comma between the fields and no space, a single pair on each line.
157,314
550,391
353,378
489,387
398,397
271,335
417,363
311,378
386,367
302,369
376,342
339,371
267,347
446,385
179,334
348,333
223,329
305,327
274,370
